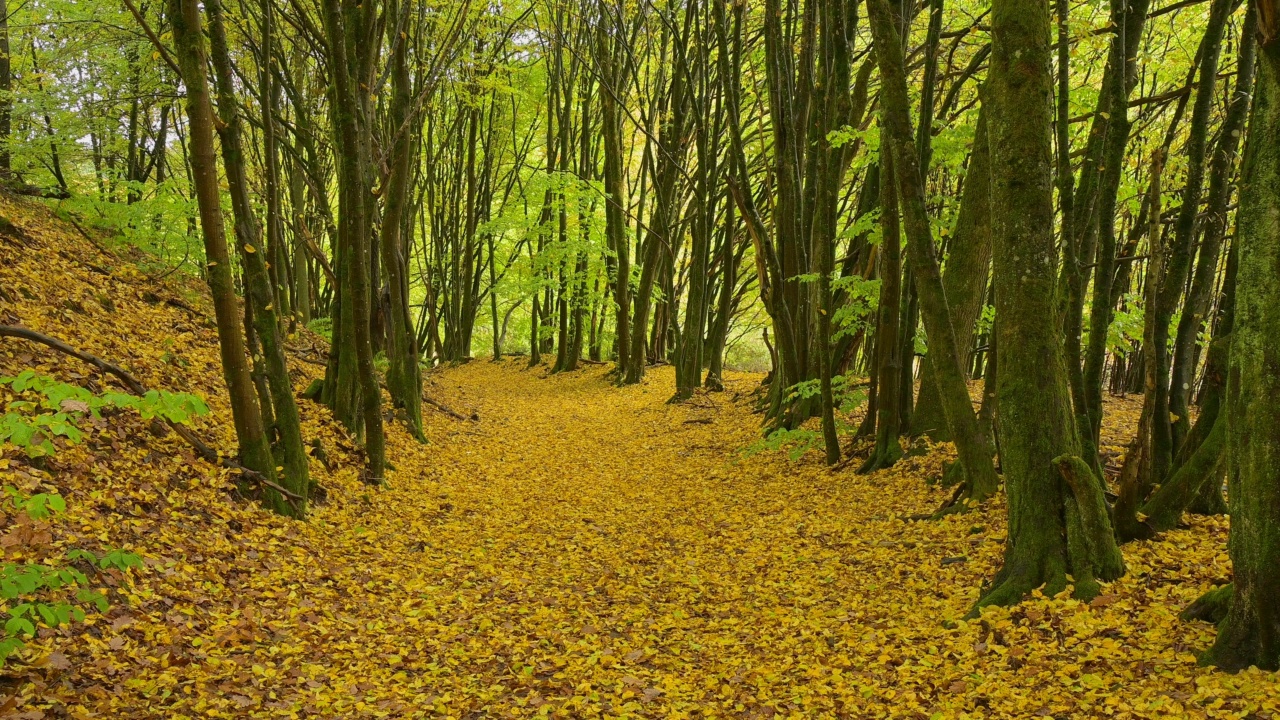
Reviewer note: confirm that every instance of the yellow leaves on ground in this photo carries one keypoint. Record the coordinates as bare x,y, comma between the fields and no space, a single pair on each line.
581,550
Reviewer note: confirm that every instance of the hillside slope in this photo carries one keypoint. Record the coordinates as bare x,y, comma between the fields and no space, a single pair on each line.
580,550
223,579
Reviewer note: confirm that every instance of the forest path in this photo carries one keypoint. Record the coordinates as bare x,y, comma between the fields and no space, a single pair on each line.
598,546
595,551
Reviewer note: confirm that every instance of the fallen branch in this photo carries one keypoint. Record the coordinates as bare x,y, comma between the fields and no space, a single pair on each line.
437,405
137,388
92,241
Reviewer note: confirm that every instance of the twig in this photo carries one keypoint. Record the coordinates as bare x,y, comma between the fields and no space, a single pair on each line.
160,48
137,388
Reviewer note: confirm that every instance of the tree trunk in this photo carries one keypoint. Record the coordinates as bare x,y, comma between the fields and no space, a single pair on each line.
404,378
615,221
255,452
1215,226
964,280
1094,216
6,98
347,32
261,296
887,450
971,443
1049,537
1250,633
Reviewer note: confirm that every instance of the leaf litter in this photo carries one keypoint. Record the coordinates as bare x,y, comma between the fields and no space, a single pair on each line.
581,550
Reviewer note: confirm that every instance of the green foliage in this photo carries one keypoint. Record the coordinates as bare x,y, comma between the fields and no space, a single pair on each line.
858,312
796,442
1126,327
848,395
55,594
323,327
38,506
56,407
157,224
51,595
986,320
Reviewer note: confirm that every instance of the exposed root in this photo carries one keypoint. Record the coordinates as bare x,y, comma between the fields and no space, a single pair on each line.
1210,607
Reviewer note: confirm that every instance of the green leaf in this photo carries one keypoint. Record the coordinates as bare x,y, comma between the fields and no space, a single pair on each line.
47,614
19,626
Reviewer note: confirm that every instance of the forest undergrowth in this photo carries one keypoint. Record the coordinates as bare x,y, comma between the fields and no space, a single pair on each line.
560,546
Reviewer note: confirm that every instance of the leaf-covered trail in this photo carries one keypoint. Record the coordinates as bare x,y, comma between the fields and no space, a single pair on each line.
585,551
581,550
597,550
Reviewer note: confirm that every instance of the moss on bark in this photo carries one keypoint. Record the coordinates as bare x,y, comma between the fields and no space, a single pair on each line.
1050,534
1250,633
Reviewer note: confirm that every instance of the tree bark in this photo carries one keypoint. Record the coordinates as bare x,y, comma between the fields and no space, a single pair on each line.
255,452
261,295
971,442
1214,234
1048,537
964,279
1250,633
404,378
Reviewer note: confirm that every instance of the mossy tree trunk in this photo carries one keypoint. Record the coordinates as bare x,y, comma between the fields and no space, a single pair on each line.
259,289
887,450
609,47
404,378
1250,633
964,280
971,442
255,451
670,153
350,30
1178,396
1049,535
1094,212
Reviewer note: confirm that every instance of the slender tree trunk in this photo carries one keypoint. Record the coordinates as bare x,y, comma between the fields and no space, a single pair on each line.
347,34
261,297
663,220
278,264
1139,472
887,450
971,442
1214,225
1095,208
615,201
964,279
6,97
404,378
1183,246
301,263
255,452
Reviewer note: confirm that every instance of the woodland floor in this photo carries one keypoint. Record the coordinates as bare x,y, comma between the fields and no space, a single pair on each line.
579,550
